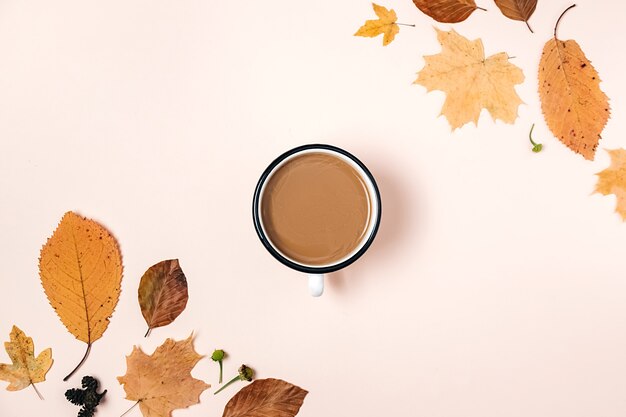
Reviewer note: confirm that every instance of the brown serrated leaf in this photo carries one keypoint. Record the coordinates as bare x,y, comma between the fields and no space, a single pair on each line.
162,382
613,180
471,81
162,293
517,9
447,11
385,24
25,369
266,398
81,272
575,108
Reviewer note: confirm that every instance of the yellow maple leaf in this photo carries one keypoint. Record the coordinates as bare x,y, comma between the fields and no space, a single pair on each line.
81,271
385,24
613,180
471,81
25,369
162,382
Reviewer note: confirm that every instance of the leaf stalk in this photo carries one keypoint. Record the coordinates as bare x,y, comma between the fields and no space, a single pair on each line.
80,363
561,17
37,391
537,147
130,409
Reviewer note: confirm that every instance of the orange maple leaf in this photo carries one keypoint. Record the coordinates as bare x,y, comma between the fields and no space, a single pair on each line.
613,180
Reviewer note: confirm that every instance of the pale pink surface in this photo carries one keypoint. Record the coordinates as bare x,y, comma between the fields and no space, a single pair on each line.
495,288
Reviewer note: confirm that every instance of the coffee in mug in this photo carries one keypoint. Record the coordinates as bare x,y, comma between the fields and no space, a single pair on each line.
317,209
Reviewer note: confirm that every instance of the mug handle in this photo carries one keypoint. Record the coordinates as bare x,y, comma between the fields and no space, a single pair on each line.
316,284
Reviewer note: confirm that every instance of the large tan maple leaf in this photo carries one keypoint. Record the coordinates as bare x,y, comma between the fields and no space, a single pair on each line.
613,180
471,81
162,382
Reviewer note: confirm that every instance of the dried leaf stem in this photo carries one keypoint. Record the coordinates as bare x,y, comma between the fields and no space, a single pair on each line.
37,391
560,17
80,363
528,25
130,409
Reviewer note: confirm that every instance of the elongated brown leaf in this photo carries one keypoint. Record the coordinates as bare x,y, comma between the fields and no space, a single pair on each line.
517,9
162,293
447,11
81,272
575,108
266,398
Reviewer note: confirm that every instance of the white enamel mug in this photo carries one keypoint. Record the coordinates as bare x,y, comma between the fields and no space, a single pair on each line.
316,273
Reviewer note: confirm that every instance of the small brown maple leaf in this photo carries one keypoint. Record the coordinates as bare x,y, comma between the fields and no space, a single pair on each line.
613,180
26,369
385,24
471,81
162,382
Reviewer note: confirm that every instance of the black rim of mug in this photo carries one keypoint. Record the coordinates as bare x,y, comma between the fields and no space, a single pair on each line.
266,242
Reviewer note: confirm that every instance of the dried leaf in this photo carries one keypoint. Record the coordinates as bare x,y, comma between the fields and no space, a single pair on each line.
447,11
26,369
575,108
162,382
162,293
517,9
81,271
385,24
470,81
266,398
613,180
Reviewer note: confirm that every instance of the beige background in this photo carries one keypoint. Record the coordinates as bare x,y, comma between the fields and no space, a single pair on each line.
495,287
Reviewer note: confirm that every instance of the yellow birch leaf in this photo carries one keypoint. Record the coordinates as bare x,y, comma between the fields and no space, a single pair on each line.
385,24
81,271
26,369
575,108
162,382
613,180
471,81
